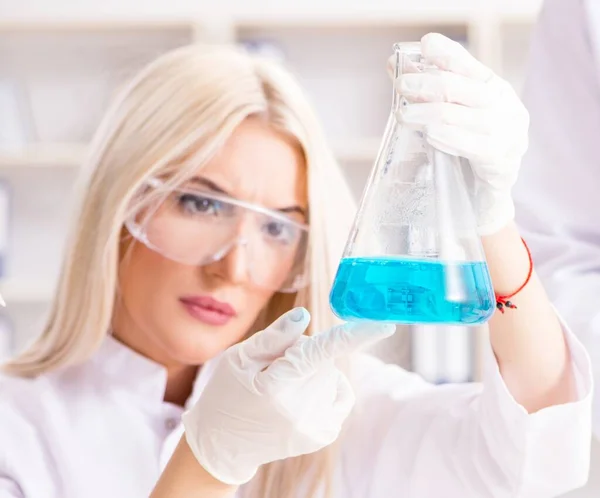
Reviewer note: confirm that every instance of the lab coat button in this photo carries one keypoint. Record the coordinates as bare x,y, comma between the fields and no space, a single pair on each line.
171,424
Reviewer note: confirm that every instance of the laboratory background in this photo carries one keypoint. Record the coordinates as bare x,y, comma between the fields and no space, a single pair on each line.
61,61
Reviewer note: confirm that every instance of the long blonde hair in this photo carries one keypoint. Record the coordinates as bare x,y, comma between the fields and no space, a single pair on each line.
180,109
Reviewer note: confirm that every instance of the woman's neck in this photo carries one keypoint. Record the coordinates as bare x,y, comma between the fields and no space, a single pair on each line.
180,377
180,383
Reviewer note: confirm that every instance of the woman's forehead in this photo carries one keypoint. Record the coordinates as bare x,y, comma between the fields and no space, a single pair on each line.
260,165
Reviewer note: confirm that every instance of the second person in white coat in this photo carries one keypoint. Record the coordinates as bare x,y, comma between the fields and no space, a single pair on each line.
558,194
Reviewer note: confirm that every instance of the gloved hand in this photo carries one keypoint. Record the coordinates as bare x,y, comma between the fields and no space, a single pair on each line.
470,112
276,395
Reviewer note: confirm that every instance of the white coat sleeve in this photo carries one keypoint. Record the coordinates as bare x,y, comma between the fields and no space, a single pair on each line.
465,440
558,194
9,489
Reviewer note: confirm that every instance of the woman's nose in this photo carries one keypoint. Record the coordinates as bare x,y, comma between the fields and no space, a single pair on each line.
233,266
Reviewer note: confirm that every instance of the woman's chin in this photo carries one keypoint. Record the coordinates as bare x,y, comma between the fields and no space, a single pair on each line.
195,345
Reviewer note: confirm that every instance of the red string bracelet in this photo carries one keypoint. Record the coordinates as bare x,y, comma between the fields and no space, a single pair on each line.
503,302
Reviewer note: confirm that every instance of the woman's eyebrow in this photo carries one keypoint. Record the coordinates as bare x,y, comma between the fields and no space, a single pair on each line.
205,182
293,209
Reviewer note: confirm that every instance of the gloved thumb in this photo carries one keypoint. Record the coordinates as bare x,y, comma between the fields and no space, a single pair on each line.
269,344
343,339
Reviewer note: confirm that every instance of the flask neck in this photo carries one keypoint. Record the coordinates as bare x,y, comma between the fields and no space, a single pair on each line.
407,59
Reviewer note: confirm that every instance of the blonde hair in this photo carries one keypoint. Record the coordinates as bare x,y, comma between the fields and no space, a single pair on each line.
180,109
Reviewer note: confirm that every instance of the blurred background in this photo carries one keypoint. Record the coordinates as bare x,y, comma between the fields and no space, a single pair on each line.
62,60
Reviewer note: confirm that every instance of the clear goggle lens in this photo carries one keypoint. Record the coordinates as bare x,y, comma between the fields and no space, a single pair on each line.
197,227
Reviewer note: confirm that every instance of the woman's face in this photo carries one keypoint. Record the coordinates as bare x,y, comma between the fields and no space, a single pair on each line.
180,314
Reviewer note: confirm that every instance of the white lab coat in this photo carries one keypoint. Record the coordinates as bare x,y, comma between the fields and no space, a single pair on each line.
558,193
103,430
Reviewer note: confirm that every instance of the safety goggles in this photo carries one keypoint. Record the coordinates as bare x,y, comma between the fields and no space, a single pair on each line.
196,227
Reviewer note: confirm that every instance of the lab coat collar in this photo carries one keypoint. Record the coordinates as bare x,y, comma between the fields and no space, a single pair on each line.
139,376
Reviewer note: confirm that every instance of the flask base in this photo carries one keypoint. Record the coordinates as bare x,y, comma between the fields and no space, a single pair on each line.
411,291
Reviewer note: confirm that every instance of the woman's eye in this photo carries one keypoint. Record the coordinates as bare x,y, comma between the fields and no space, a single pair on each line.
280,231
274,229
197,204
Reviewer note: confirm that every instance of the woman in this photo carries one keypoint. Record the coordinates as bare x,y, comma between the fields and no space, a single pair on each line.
207,215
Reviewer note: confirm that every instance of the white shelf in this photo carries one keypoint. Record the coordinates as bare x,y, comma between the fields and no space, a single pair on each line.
72,155
91,25
26,292
398,16
43,155
355,19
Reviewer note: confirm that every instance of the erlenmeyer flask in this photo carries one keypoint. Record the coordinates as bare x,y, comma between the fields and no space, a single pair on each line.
413,254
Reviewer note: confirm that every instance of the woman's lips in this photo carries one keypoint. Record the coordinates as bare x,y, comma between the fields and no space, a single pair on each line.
208,310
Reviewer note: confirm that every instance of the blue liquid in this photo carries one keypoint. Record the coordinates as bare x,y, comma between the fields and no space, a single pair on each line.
412,291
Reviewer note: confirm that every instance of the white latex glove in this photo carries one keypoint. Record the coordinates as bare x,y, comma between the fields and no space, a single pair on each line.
470,112
276,395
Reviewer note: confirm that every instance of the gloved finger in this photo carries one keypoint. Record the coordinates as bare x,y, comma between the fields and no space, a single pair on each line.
447,54
406,66
345,399
458,141
444,86
269,344
480,121
337,341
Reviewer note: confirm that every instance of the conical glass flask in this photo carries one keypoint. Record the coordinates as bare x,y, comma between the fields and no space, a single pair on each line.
413,254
